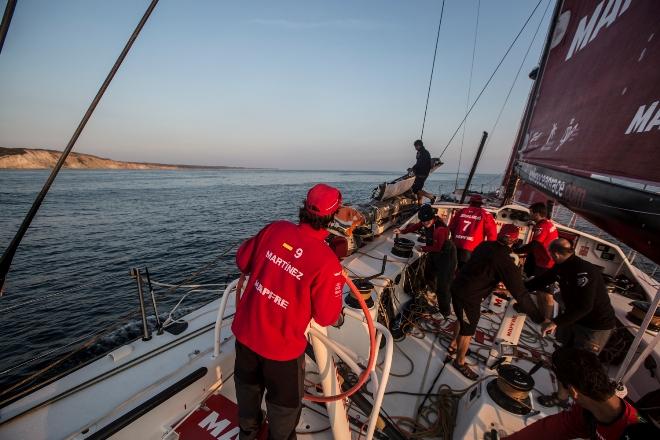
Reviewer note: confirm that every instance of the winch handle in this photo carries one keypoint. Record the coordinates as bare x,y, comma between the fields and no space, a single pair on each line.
372,353
497,363
536,367
382,270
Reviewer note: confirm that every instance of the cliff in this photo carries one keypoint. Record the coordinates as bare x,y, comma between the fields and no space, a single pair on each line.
28,158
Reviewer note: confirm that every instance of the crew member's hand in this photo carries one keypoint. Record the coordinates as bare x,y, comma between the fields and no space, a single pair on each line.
397,231
420,248
547,327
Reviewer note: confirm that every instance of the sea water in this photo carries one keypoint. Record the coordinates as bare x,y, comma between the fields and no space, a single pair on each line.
70,276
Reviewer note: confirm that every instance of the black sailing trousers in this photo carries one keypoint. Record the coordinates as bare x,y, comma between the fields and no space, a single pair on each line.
283,382
440,270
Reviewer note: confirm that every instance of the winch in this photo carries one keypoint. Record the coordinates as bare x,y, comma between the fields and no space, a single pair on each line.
510,390
364,286
402,247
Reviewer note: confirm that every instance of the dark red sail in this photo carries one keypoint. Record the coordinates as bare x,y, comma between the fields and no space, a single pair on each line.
593,136
598,108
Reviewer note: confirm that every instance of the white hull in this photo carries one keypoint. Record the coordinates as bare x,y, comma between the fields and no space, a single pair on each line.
101,399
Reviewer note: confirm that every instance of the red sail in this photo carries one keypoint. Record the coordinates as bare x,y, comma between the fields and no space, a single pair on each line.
598,106
592,128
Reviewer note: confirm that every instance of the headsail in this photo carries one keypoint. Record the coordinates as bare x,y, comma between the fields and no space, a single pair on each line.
593,132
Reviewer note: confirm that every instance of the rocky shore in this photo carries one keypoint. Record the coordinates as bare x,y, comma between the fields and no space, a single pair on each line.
28,158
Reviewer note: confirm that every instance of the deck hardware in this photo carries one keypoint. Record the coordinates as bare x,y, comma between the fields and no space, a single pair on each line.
159,325
146,334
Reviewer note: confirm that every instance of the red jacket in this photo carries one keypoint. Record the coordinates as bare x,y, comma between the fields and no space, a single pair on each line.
440,234
572,423
294,277
544,232
470,226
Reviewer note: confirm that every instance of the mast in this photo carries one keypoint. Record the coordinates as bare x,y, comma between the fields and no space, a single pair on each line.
8,255
474,167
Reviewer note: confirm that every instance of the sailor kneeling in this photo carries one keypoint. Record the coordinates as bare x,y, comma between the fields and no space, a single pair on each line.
598,413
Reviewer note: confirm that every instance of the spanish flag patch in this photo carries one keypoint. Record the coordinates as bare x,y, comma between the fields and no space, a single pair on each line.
287,246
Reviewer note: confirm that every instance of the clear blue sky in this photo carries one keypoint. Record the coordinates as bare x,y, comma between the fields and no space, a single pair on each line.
288,84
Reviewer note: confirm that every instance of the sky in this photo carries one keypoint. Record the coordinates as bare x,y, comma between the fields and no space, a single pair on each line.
337,85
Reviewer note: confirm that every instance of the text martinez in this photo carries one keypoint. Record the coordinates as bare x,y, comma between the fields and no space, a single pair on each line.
284,265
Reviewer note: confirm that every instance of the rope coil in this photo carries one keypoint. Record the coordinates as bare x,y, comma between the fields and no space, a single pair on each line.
510,391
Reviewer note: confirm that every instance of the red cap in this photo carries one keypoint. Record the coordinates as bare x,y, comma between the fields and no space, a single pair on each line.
476,199
323,200
509,231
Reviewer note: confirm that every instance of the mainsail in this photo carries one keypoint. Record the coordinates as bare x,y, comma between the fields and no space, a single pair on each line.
591,137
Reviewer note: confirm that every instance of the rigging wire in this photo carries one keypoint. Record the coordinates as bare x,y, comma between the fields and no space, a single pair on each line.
96,281
6,21
515,79
467,101
491,77
58,361
435,53
60,348
8,255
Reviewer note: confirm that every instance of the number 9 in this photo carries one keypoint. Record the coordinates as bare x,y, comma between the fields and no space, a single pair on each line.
298,253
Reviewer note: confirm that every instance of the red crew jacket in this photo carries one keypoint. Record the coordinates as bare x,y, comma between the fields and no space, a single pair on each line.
440,235
572,423
470,226
544,232
294,277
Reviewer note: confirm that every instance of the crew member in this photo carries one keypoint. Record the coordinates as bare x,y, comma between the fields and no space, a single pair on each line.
545,231
588,317
490,264
421,170
293,277
441,262
538,256
470,226
598,413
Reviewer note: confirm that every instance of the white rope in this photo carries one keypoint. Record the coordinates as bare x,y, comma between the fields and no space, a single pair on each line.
170,318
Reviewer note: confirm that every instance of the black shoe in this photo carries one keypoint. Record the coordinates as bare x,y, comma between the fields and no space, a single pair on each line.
399,330
397,334
465,370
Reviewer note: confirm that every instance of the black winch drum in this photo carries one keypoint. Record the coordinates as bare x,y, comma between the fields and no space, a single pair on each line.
365,287
511,389
515,377
402,247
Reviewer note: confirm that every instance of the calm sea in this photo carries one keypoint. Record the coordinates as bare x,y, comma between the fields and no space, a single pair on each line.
72,268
